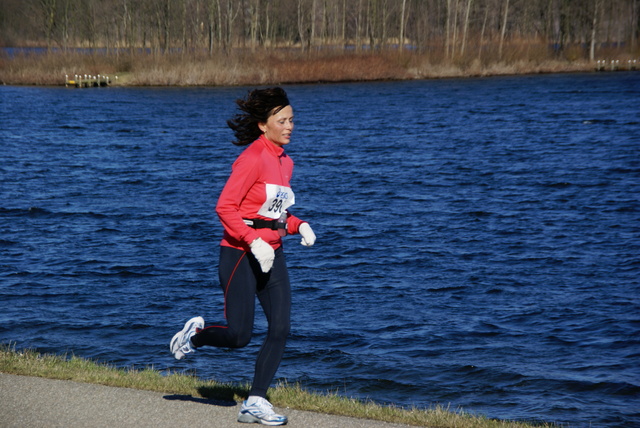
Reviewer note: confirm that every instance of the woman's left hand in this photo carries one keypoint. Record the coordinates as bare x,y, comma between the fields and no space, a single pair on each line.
308,237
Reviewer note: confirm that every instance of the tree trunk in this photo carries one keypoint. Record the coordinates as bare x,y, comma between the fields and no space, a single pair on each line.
49,12
255,14
454,42
301,29
447,42
313,23
635,24
65,25
166,27
466,27
401,41
504,29
184,26
219,9
594,27
359,26
484,26
344,24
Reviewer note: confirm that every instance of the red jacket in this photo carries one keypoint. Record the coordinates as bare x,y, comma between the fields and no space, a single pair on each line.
258,187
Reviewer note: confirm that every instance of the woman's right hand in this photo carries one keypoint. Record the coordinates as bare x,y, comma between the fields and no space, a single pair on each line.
264,253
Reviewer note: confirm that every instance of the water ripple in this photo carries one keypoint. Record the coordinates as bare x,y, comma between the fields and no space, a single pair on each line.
480,254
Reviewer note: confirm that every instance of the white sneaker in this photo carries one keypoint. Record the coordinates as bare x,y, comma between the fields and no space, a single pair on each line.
261,411
181,343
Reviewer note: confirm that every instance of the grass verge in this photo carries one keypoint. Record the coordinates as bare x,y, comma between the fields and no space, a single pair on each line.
31,363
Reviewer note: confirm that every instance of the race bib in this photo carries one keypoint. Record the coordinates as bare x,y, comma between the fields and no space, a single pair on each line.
279,198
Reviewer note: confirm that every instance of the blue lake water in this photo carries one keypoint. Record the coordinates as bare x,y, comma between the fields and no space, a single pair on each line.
478,240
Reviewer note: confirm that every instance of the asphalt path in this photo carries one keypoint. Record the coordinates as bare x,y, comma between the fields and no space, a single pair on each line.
33,402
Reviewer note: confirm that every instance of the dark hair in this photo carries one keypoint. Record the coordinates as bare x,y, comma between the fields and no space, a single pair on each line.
259,105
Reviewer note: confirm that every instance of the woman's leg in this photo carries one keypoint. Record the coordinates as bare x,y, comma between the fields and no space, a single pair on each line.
241,277
238,280
275,299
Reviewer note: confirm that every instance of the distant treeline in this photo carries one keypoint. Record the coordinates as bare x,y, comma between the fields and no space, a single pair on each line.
451,29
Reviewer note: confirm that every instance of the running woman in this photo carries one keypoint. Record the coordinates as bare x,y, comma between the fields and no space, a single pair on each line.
253,209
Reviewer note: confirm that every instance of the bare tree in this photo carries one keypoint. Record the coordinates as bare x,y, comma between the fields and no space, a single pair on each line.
594,29
466,27
447,46
49,11
445,28
503,30
402,13
302,27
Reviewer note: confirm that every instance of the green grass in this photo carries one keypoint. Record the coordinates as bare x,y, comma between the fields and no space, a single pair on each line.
30,363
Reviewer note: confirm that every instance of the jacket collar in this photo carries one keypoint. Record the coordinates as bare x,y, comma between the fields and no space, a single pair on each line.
273,148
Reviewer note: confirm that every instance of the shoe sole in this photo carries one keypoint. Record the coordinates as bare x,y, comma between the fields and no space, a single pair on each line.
248,418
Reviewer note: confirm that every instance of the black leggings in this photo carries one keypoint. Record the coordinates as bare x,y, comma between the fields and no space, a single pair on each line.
241,280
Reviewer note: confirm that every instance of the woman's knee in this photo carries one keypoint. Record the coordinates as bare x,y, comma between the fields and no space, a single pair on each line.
279,332
240,340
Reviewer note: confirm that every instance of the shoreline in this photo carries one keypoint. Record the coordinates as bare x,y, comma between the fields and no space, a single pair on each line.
271,68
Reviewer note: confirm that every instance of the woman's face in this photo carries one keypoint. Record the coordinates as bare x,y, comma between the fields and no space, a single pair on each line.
279,126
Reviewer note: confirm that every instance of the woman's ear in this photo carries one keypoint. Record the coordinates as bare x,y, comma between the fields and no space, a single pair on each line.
262,126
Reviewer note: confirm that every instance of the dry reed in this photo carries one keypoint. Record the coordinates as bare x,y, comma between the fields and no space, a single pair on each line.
264,67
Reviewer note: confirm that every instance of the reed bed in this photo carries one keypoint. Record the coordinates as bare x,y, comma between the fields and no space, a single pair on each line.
276,66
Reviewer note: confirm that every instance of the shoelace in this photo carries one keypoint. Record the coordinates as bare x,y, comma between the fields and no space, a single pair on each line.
265,407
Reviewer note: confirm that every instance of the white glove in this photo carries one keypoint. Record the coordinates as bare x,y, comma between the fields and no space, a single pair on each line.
308,237
264,254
